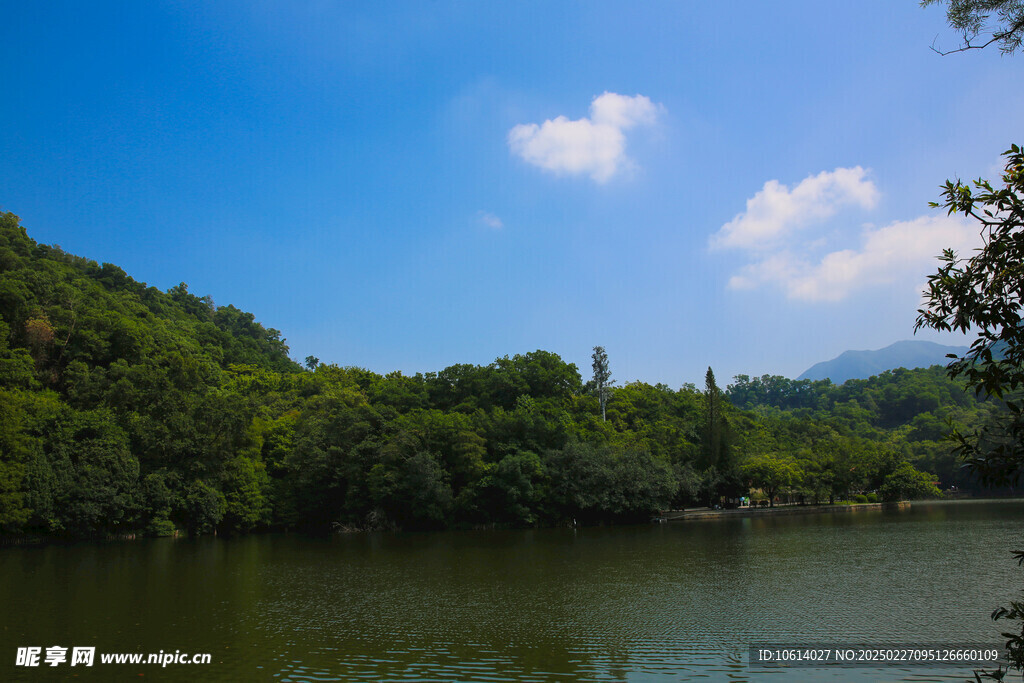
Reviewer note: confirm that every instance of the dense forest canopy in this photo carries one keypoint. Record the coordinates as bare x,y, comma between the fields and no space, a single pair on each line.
127,409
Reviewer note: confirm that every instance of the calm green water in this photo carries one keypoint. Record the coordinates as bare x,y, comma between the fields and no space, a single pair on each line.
644,603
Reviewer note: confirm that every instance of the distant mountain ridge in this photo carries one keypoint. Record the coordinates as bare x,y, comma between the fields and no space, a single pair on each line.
864,364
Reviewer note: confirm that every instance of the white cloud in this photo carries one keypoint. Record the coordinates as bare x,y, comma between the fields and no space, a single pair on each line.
622,111
776,212
790,240
490,220
898,253
595,146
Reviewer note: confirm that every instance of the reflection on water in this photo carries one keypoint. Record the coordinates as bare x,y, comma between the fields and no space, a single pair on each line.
643,603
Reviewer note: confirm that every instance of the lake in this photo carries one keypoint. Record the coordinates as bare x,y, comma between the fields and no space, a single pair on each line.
662,602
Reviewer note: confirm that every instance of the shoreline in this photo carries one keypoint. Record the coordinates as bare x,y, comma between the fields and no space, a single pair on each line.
694,514
702,514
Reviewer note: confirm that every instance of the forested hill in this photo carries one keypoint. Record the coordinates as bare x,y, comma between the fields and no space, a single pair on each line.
66,310
888,400
124,409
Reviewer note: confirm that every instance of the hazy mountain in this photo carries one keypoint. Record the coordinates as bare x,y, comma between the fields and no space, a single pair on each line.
864,364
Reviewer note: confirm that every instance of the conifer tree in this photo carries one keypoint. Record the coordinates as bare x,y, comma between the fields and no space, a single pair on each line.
713,419
602,377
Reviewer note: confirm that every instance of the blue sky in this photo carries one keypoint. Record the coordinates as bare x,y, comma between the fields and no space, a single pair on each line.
405,186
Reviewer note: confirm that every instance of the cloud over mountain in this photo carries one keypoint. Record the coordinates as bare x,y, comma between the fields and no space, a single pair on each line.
788,238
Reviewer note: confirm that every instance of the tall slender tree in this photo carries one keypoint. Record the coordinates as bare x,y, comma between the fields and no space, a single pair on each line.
712,420
602,377
722,476
716,434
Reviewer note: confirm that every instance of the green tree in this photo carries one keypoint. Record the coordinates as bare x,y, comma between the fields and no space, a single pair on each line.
906,483
983,294
721,474
973,17
202,508
540,374
16,452
715,424
452,441
245,482
158,505
1015,641
510,491
771,474
596,483
334,447
408,485
16,365
602,377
